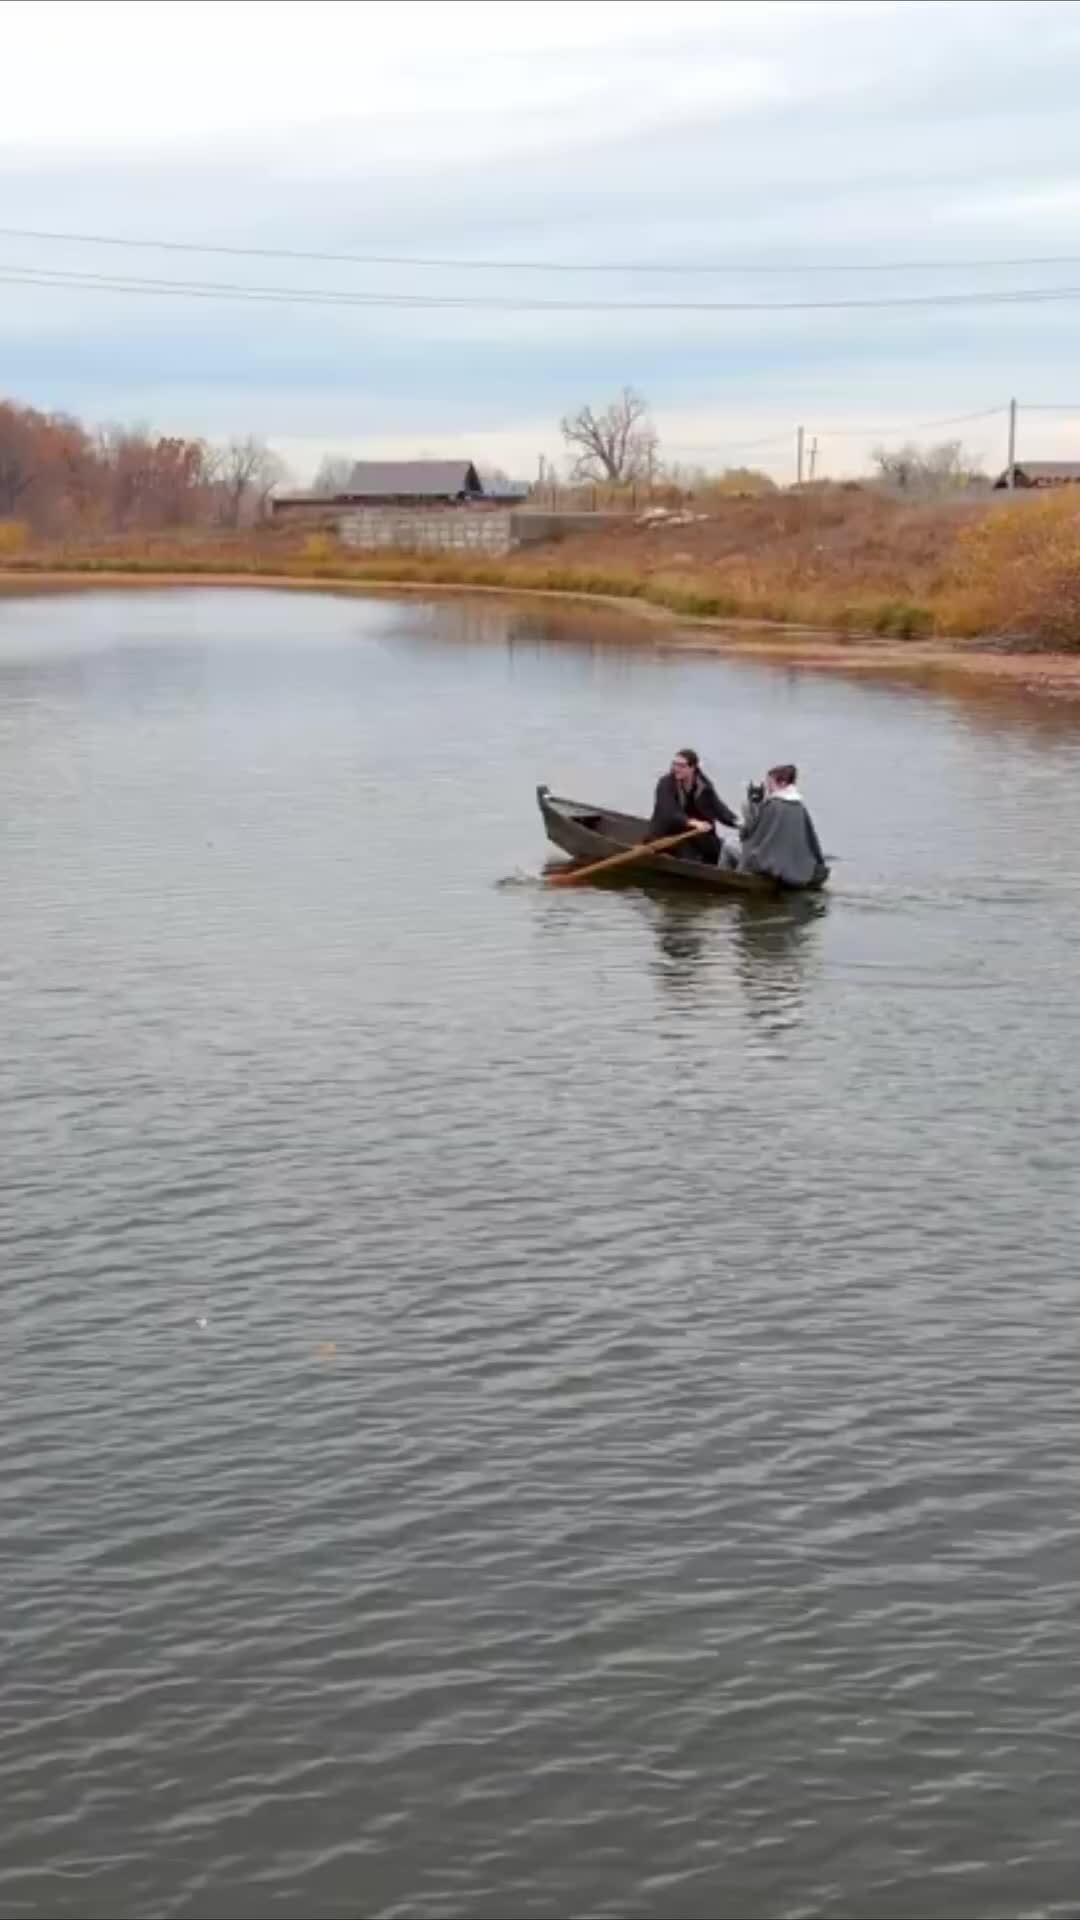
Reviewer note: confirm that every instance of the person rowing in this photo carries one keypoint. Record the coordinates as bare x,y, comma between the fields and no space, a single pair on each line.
779,838
686,798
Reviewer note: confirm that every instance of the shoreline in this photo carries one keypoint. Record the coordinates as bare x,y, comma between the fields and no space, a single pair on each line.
820,649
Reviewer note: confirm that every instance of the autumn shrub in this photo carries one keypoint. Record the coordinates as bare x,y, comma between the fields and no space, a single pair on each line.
14,538
1017,571
714,490
319,548
901,620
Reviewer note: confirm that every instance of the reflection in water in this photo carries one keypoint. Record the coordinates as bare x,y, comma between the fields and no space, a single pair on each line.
769,944
522,633
995,706
681,923
772,947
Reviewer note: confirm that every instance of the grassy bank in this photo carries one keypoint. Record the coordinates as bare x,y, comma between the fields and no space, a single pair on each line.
688,595
850,561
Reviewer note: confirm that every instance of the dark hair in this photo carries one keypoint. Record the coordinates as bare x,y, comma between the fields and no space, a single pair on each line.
688,754
784,775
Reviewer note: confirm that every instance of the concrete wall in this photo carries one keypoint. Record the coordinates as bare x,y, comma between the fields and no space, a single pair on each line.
423,528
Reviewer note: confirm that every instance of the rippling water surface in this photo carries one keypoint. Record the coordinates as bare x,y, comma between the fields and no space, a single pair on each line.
525,1401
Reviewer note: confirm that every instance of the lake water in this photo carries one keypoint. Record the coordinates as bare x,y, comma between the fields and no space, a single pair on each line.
511,1400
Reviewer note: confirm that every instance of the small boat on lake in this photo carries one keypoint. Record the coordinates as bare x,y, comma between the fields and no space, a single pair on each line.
593,833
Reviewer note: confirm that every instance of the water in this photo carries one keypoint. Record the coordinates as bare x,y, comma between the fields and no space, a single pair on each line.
511,1400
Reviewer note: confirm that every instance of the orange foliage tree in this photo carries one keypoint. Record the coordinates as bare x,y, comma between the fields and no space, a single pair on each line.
57,479
1018,569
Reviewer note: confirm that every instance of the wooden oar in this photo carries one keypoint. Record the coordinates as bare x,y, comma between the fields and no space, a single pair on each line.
569,876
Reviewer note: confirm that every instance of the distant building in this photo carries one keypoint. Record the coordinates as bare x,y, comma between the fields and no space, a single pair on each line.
393,483
1042,473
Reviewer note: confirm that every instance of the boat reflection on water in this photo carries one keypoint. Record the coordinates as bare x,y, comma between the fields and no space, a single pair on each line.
775,948
770,945
682,923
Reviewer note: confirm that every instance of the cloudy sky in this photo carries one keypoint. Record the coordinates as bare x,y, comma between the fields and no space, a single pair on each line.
637,189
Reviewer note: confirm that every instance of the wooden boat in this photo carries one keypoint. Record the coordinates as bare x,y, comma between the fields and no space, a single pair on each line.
591,833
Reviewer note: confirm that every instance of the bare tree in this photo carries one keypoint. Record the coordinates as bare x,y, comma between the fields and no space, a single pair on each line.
17,457
333,473
247,471
618,445
946,468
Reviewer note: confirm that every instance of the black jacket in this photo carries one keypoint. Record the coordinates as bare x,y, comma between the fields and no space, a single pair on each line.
675,806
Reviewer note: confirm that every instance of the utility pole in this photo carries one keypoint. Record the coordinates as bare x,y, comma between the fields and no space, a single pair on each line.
799,439
1010,476
813,458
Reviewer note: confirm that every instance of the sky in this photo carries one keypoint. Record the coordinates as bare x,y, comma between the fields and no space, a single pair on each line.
663,177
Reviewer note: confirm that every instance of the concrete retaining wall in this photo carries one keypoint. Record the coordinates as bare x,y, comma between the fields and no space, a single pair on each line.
492,528
416,529
436,527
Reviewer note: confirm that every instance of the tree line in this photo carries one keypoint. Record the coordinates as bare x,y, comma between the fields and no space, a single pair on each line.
57,475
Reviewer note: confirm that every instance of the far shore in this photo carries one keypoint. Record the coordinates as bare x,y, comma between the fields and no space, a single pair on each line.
931,661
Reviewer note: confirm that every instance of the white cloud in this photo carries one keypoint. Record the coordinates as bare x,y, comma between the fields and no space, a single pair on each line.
1049,204
108,71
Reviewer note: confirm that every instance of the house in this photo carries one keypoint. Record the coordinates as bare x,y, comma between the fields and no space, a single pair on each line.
392,483
1042,473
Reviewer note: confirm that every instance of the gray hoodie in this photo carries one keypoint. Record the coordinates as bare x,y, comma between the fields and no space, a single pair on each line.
779,840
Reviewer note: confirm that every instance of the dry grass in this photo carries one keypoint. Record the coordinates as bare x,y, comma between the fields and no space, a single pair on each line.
1018,571
840,558
14,539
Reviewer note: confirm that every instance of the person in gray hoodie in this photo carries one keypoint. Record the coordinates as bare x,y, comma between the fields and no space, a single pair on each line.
778,836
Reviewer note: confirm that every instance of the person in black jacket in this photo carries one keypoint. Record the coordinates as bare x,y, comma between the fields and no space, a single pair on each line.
685,796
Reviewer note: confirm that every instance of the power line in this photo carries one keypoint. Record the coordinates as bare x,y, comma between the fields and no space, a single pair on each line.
543,266
337,297
914,426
